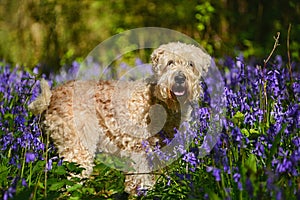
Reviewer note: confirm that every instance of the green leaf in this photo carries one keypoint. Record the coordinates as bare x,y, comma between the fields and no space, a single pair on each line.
51,181
254,131
41,185
56,186
245,132
8,116
4,172
39,166
213,196
74,187
88,190
238,117
250,163
71,166
60,170
74,198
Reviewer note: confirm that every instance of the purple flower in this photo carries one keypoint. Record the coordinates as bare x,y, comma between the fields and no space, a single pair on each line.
24,183
206,146
169,181
35,70
209,169
279,195
215,171
249,187
240,185
206,196
138,62
226,166
296,90
284,166
236,177
190,158
259,148
124,66
236,134
30,157
49,165
8,194
217,174
73,71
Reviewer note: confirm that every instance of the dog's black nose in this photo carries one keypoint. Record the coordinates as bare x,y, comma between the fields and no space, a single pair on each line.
180,78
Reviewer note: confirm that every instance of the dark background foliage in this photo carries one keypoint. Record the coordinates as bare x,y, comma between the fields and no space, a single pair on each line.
53,32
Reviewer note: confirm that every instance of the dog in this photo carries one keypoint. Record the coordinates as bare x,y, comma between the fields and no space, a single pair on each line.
116,117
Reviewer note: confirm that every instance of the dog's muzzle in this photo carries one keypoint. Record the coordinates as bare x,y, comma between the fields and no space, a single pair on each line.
179,87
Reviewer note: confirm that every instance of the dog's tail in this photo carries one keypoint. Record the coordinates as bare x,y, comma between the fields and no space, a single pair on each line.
43,100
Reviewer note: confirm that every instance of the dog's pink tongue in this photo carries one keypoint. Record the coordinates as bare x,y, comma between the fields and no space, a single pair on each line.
179,91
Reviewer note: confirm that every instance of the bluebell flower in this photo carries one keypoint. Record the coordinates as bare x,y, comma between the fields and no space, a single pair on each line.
215,171
237,135
9,194
279,195
206,196
236,177
259,149
296,91
240,185
24,183
217,174
49,165
191,159
73,70
226,165
124,66
249,187
284,166
296,141
209,168
145,144
138,62
30,157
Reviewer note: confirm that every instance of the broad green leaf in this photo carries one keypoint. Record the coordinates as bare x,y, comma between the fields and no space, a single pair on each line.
254,131
251,163
56,186
60,170
213,196
88,190
238,117
74,187
74,198
245,132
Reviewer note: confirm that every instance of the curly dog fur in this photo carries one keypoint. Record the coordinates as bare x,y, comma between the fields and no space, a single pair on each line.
85,117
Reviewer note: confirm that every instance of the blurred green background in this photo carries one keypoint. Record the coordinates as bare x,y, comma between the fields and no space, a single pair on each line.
55,32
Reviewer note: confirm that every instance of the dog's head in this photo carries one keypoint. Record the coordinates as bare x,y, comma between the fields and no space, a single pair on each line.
178,67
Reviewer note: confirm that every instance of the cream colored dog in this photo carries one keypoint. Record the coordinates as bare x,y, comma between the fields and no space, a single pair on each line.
85,117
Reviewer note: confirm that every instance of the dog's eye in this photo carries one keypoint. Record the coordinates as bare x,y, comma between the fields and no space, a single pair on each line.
191,64
170,62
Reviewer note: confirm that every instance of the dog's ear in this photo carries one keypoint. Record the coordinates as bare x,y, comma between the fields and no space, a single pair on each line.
155,56
202,61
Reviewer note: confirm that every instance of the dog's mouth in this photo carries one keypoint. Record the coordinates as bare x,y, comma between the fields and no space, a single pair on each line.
179,89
